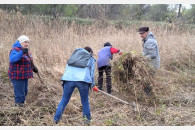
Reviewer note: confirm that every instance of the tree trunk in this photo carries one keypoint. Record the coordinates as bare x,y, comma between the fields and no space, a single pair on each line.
179,12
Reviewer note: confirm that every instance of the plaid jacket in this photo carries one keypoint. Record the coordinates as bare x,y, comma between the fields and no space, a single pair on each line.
21,69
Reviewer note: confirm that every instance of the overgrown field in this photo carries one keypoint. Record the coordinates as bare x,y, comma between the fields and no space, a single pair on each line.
51,44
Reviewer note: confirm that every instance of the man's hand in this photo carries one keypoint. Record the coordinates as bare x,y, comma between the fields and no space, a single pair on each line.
35,69
25,50
120,52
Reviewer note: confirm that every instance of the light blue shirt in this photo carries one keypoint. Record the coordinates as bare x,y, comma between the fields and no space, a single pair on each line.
81,74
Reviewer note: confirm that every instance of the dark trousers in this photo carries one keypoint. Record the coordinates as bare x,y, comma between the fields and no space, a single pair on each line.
107,70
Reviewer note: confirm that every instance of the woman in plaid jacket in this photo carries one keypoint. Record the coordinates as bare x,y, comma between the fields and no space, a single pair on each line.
20,69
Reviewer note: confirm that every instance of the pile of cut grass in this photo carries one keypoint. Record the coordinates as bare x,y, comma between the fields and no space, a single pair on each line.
135,77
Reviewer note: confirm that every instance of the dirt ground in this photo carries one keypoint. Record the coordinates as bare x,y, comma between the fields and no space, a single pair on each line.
175,107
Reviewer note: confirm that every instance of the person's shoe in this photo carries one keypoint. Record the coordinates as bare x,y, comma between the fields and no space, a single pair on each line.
19,104
56,121
86,122
109,91
147,90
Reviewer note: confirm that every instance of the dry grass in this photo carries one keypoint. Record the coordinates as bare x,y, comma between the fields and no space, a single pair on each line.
133,76
51,45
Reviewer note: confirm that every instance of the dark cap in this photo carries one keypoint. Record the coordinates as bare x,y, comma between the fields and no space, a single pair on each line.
143,29
88,49
107,44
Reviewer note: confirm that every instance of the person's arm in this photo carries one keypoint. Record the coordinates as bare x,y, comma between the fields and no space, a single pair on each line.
114,50
15,56
93,72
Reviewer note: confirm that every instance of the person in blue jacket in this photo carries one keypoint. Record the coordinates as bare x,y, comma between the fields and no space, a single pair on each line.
81,77
20,69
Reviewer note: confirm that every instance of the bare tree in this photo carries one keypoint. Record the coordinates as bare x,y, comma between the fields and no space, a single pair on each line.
179,11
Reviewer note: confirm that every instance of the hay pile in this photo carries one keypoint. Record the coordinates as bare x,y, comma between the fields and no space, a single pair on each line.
134,77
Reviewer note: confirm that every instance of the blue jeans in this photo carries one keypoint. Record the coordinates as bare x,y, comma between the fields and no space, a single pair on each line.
20,90
69,87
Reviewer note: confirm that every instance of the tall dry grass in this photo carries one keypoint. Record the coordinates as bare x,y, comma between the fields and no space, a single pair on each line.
52,42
